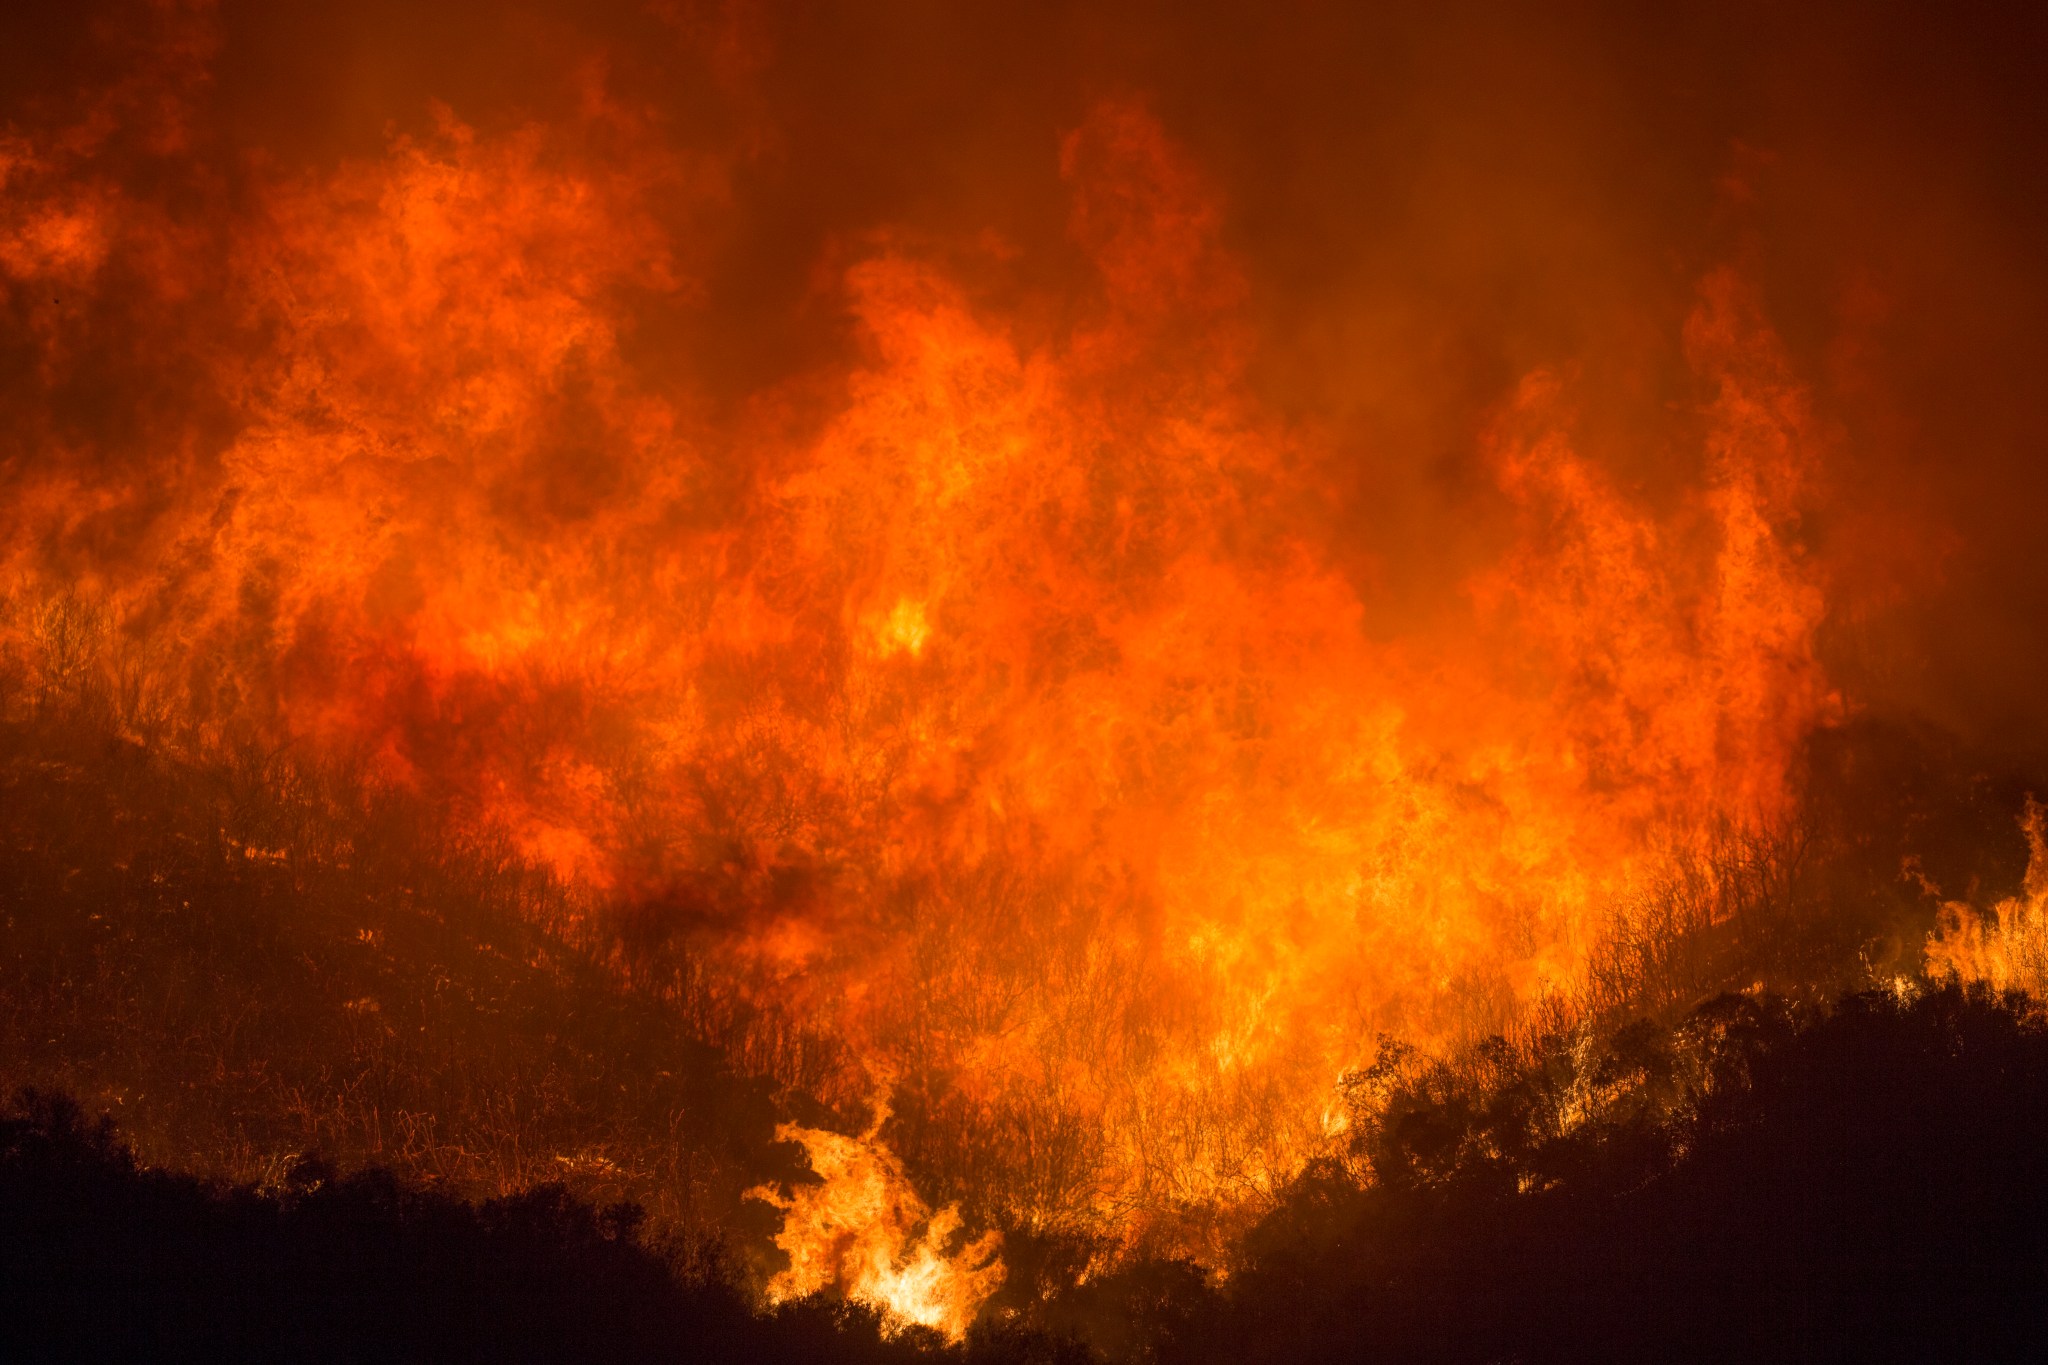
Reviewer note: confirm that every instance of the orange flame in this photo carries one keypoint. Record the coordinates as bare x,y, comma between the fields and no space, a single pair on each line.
2007,949
1012,722
864,1231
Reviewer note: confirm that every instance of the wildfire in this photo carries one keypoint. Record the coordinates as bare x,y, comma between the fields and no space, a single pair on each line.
864,1230
2006,949
1008,714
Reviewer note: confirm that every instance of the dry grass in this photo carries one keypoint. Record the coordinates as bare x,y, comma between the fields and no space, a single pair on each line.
242,957
2006,949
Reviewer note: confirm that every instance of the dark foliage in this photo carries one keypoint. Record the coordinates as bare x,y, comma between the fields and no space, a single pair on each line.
101,1260
1866,1182
1869,1184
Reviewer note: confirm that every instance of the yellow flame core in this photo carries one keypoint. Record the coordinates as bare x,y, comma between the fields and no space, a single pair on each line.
905,630
862,1230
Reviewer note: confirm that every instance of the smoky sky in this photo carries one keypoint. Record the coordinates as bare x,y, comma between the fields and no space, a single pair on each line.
1427,201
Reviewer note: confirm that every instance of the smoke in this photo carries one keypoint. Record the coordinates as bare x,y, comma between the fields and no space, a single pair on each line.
1428,203
1099,555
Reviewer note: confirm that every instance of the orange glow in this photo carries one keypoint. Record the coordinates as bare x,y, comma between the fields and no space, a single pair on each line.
1001,714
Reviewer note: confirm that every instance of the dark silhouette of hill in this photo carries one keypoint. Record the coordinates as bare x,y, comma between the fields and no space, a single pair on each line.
1760,1182
101,1260
1869,1183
